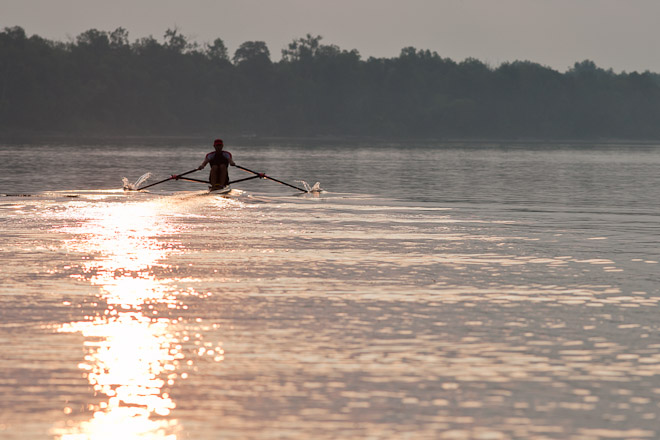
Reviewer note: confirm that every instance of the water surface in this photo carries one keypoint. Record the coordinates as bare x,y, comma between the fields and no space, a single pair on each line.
433,291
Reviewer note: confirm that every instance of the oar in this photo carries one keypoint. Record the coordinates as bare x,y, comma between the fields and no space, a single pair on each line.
172,177
189,179
263,176
242,180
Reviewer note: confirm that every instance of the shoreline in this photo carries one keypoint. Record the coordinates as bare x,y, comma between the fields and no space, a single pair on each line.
242,139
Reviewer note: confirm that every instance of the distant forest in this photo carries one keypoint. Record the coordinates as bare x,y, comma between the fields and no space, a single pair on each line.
101,83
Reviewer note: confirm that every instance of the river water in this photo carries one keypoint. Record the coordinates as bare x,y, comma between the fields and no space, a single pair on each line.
432,291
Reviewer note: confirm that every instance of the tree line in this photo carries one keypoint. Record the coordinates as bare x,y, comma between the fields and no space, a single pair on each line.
102,83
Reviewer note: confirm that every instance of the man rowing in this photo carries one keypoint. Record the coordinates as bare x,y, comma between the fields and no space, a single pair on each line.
219,160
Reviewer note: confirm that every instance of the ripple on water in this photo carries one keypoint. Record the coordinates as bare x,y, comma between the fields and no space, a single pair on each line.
199,317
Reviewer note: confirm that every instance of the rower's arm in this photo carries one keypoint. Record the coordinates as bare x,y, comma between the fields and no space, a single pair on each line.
206,160
229,157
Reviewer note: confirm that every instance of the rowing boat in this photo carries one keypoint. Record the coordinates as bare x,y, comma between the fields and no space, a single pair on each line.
224,190
219,191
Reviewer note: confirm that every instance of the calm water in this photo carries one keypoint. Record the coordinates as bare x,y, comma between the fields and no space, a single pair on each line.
450,292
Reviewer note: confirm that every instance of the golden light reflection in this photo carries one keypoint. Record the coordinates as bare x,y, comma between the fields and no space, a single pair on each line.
131,357
121,238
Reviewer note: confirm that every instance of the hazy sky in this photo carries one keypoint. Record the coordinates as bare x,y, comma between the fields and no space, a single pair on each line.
618,34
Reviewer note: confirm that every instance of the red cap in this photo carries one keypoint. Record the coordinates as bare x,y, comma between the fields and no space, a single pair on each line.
218,142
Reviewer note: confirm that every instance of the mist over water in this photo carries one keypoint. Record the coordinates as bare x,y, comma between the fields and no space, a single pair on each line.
442,291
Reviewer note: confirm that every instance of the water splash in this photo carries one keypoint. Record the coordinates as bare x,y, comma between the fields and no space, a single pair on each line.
133,186
315,188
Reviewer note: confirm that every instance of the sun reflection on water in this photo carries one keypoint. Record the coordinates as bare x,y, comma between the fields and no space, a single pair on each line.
121,238
132,356
130,359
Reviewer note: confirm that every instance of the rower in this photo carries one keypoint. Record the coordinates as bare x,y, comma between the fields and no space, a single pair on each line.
219,160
